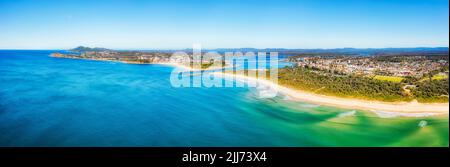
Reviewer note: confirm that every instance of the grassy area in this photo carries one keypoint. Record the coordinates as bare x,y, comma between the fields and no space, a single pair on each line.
434,78
206,65
439,77
389,78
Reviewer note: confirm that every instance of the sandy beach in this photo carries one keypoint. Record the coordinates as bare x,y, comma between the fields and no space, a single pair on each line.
401,108
410,109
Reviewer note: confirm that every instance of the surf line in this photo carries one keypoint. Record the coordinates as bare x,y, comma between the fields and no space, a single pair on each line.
194,157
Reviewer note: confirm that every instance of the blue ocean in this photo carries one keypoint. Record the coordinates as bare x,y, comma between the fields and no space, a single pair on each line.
46,101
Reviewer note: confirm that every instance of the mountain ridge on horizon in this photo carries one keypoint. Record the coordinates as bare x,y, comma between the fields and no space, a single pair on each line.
319,50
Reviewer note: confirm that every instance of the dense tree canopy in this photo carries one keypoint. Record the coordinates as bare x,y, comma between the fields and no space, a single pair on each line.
354,86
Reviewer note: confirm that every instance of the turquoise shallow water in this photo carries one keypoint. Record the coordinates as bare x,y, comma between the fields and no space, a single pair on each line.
47,101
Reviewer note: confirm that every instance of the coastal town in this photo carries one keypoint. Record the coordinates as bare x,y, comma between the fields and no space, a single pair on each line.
417,66
389,66
383,76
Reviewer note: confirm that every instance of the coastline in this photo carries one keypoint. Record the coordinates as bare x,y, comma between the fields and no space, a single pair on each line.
405,108
132,62
408,109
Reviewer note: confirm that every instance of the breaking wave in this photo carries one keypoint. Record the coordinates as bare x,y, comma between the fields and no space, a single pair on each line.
347,114
387,114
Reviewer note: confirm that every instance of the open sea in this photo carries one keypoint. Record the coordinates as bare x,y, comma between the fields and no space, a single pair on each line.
47,101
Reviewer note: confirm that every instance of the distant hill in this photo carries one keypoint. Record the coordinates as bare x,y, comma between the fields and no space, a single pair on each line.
88,49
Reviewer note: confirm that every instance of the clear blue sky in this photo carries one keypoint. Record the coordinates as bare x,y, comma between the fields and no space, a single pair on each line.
145,24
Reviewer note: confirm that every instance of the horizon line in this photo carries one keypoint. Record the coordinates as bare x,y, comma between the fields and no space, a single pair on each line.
416,47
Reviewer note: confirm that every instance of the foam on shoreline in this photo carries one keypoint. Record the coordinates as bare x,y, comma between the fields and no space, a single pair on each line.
405,109
388,109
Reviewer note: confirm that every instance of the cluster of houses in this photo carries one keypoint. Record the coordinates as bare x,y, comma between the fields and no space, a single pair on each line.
416,67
